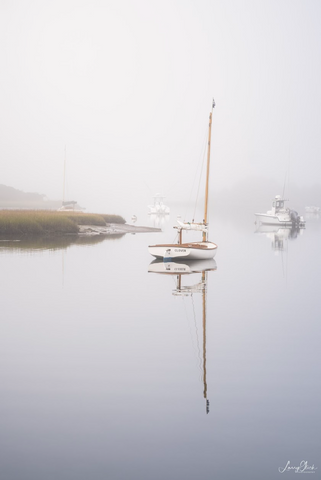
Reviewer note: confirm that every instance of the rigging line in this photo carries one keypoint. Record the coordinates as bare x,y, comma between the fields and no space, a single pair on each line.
200,165
200,162
64,182
183,298
197,339
288,169
200,177
175,238
282,264
283,193
197,347
173,279
287,177
146,185
286,262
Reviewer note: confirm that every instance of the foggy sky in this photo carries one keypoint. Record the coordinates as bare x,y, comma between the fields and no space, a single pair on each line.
126,86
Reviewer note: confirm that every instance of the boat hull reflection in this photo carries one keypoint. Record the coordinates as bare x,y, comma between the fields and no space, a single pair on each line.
279,236
182,268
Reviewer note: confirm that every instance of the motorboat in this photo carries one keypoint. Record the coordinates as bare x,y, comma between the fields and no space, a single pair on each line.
279,215
158,207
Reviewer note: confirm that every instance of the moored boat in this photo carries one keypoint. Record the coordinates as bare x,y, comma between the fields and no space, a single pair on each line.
279,215
312,209
158,207
201,250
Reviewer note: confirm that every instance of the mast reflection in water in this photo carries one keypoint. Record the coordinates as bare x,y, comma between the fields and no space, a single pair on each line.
186,268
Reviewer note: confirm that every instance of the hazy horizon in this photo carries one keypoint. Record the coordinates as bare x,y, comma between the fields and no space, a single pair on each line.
123,90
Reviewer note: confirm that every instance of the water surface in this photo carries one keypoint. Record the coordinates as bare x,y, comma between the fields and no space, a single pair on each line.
102,366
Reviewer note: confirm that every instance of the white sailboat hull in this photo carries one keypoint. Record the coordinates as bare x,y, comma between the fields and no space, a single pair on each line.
272,219
190,251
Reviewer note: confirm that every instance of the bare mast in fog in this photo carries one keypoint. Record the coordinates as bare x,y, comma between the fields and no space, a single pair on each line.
64,180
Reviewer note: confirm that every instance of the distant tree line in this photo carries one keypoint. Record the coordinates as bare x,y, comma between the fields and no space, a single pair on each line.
13,198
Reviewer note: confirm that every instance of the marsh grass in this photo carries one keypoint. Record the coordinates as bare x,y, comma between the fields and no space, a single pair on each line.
48,222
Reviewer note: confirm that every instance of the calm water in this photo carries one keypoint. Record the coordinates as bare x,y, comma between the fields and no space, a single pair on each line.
102,367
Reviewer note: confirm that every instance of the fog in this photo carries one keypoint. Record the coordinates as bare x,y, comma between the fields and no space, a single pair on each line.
122,90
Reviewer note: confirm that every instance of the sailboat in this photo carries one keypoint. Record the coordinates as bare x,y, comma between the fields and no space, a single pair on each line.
184,269
202,250
68,205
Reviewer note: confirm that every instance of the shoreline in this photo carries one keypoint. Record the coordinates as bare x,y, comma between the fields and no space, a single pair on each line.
114,228
19,224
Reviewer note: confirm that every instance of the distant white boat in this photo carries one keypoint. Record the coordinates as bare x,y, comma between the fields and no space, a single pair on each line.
279,215
70,206
312,209
158,207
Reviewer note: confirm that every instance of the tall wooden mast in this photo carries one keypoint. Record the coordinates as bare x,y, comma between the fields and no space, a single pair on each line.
208,169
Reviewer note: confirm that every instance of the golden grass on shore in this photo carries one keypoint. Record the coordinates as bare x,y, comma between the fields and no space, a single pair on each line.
50,222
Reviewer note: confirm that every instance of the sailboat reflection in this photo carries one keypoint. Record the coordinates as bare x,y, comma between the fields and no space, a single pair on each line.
181,268
184,269
279,236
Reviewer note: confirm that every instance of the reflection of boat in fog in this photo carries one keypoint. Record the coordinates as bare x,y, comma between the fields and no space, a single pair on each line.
279,215
312,216
158,207
158,220
279,236
313,209
183,269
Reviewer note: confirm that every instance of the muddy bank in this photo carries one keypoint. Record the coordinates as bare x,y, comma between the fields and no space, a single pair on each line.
115,228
